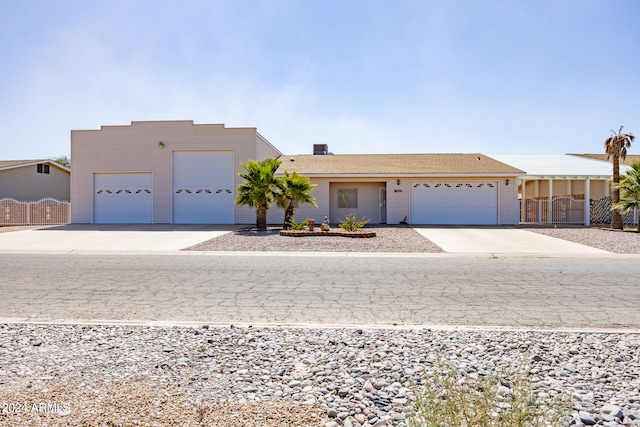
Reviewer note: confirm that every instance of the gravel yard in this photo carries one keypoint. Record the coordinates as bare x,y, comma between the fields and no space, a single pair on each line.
619,242
398,239
388,239
85,375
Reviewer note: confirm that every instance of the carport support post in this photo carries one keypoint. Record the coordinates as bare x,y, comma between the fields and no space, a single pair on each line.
587,202
523,202
550,204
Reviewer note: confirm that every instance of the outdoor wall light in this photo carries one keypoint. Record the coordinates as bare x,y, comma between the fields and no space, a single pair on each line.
398,182
507,182
161,145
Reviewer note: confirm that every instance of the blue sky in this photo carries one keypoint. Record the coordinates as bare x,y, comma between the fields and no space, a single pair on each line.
363,76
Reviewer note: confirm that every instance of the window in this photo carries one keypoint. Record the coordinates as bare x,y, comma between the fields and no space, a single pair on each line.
42,168
348,198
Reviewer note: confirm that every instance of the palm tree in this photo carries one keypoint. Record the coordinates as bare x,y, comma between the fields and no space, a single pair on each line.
259,188
629,187
616,148
294,189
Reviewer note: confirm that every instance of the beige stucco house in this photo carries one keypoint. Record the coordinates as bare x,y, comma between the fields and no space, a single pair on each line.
33,180
416,188
185,173
162,172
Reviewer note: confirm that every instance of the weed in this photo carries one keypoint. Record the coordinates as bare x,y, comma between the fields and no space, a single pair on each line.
450,398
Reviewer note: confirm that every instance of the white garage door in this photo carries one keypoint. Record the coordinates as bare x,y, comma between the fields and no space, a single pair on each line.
449,202
123,198
203,187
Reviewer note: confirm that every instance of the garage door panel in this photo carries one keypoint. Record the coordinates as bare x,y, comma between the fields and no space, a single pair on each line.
203,187
454,203
123,198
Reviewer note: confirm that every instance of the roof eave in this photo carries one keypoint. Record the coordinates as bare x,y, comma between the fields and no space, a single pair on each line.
408,175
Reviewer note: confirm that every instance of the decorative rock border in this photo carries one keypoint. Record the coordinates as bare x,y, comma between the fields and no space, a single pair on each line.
341,233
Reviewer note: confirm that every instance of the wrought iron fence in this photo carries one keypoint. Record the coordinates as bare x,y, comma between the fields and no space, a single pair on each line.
564,210
567,210
45,211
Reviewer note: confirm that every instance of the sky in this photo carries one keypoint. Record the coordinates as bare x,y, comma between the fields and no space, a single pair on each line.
363,76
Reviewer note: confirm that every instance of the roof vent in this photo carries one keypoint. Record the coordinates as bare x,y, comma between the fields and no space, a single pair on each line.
320,149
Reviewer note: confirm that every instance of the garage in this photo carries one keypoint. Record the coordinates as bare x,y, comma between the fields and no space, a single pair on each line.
123,198
454,202
203,191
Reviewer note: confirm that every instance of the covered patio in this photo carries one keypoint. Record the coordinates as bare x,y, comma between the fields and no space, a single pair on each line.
562,189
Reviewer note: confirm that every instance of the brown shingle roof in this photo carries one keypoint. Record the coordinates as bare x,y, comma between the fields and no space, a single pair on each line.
395,164
15,163
12,164
628,160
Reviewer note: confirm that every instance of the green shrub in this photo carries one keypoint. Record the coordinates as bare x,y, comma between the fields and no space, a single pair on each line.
451,399
351,223
293,225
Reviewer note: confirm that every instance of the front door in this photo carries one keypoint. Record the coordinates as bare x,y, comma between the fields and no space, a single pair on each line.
383,205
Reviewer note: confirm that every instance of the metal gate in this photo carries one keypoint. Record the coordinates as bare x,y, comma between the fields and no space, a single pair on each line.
45,211
564,210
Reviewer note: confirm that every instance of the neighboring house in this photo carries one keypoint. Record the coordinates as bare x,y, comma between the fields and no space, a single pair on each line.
416,188
33,180
566,180
162,172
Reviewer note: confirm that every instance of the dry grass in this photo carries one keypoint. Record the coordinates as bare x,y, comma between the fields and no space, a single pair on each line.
138,403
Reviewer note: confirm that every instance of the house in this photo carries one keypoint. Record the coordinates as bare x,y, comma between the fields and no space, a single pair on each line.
184,173
33,180
162,172
416,188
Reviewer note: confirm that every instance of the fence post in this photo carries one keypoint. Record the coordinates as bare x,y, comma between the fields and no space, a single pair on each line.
587,202
539,212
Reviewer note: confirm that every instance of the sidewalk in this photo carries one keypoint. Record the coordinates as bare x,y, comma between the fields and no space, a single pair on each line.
83,238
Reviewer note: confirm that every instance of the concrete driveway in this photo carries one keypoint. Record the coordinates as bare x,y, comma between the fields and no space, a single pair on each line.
110,238
501,240
154,238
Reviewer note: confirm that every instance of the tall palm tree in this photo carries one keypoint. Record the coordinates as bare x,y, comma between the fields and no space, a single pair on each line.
259,188
616,148
629,187
294,189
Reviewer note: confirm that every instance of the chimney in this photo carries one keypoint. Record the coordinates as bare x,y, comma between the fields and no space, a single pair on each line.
320,149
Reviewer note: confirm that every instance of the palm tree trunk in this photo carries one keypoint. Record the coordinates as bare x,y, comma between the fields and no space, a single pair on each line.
261,217
616,217
288,214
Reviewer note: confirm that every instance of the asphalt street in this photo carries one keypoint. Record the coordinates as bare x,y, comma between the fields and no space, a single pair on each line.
571,293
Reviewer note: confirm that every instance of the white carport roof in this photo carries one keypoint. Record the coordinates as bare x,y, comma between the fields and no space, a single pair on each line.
559,166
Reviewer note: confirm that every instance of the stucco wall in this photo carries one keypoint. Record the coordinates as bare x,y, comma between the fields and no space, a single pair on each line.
398,200
368,198
563,187
508,204
26,184
135,148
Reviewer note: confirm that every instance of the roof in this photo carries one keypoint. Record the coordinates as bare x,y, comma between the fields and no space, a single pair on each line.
12,164
396,164
628,160
560,166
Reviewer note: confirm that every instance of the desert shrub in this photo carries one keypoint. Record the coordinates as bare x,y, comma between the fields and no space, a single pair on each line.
293,225
351,223
452,399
